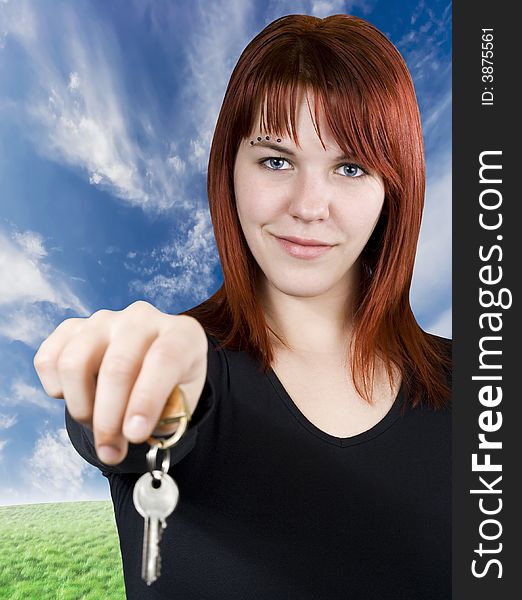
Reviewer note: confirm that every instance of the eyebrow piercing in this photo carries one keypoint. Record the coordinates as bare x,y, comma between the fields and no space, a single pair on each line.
259,139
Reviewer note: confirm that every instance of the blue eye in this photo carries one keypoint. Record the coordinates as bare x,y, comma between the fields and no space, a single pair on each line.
274,158
355,168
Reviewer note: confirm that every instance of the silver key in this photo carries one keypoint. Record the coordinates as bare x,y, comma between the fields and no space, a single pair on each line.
154,504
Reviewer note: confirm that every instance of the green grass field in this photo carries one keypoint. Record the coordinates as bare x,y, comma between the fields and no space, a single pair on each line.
63,551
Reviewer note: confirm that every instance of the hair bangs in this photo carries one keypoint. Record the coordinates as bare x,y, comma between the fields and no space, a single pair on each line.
361,127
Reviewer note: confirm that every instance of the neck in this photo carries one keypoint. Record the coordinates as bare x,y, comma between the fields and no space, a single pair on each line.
318,326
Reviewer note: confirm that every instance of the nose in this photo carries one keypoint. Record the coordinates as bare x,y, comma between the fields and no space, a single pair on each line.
309,198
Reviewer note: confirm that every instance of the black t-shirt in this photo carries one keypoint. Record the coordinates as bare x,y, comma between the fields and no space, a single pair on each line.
273,508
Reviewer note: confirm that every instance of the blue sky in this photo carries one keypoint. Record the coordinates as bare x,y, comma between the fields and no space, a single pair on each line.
107,111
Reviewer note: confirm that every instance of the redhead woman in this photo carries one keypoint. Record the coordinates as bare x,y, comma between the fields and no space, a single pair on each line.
317,460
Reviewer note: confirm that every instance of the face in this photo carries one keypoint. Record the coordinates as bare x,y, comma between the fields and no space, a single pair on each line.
310,194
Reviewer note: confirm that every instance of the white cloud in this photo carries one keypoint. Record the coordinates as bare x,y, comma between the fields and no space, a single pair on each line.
442,110
21,278
31,243
220,33
189,259
177,164
323,8
23,395
3,444
421,45
74,81
85,128
71,122
26,280
55,471
80,113
418,9
29,324
7,421
17,21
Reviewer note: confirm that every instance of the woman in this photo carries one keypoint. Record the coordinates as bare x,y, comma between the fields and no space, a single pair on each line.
317,462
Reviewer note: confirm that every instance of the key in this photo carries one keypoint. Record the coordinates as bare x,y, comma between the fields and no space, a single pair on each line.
154,504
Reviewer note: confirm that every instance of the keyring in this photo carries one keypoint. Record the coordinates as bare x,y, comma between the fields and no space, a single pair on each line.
177,408
151,460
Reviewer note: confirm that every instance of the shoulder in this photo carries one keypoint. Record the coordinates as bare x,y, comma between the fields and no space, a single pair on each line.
217,359
214,344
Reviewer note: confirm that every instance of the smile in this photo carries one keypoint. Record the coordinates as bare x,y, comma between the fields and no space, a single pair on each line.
300,251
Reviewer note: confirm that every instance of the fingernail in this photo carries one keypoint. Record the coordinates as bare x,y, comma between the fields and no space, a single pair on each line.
108,454
137,427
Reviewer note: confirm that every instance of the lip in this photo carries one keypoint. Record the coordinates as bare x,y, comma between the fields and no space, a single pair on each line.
308,250
303,241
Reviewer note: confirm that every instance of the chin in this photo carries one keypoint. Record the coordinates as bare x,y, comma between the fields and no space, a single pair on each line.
304,286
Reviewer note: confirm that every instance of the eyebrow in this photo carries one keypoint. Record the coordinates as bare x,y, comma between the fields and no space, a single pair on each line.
280,148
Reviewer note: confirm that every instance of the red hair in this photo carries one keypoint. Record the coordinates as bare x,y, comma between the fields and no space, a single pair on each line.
365,92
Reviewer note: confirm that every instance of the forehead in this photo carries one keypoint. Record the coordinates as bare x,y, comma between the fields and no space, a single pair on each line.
310,129
278,108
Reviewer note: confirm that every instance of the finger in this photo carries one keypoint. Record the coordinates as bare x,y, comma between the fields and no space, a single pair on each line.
119,368
166,364
45,360
77,367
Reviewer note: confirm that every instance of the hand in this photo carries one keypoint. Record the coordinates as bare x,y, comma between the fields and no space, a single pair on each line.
116,369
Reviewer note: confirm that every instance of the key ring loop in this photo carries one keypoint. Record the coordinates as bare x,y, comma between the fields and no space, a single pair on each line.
151,460
176,403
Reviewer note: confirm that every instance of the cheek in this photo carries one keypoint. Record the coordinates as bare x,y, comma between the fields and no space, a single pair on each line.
256,203
362,218
372,207
246,209
255,207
